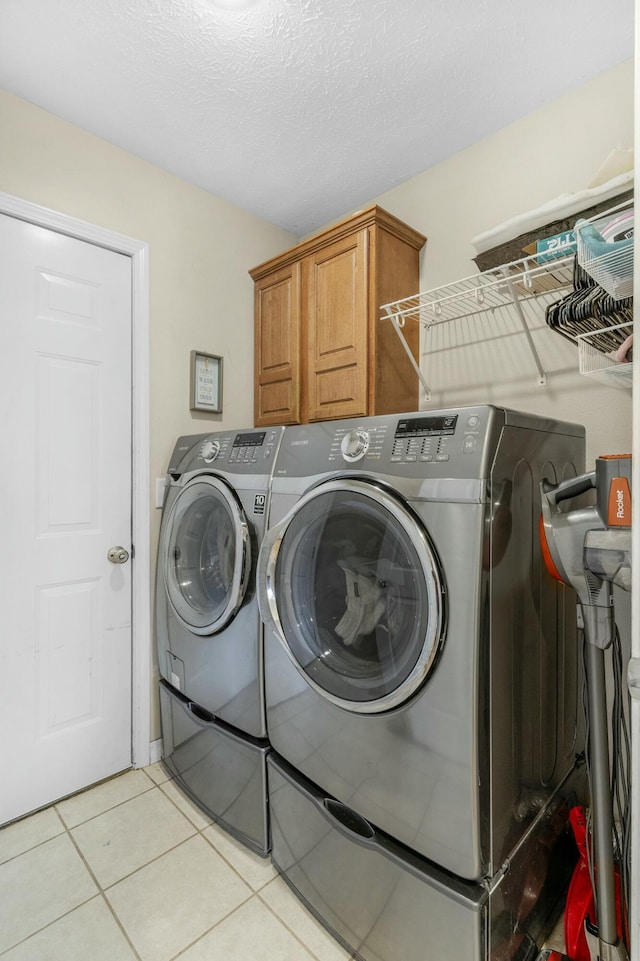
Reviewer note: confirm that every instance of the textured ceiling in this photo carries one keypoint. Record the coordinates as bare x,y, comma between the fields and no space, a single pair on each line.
301,110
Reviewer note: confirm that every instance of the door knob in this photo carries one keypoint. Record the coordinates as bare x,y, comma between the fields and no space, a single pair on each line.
117,555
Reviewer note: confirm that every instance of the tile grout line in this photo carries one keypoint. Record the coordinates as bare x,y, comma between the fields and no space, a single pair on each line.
152,860
67,829
112,807
49,924
34,848
196,831
101,890
156,857
254,893
204,934
39,844
98,893
290,930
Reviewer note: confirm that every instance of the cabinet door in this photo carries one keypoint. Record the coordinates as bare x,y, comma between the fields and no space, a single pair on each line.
336,300
277,347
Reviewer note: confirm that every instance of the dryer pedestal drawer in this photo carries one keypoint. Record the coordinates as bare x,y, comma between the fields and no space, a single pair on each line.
222,771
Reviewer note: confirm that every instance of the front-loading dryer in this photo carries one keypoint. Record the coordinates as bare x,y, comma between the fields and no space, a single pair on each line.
421,667
208,628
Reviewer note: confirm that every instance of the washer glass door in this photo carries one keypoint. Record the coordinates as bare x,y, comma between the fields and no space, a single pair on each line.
206,552
357,595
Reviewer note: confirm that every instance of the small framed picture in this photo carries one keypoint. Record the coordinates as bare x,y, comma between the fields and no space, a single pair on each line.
206,382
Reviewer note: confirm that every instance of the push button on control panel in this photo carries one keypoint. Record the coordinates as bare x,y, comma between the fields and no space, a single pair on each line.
425,440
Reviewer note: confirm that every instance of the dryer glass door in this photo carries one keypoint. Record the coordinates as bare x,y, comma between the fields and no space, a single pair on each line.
206,552
357,595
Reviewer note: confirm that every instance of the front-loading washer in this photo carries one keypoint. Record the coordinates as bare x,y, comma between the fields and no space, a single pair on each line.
421,667
208,628
209,631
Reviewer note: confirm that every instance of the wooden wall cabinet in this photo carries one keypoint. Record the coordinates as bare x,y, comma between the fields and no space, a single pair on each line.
321,349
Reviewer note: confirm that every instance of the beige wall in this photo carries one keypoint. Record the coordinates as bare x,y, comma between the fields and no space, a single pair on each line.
555,150
200,249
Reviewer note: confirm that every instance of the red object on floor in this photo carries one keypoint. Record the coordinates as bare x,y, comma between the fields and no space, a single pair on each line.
580,903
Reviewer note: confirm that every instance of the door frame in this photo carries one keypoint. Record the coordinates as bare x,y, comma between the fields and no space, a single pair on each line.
138,251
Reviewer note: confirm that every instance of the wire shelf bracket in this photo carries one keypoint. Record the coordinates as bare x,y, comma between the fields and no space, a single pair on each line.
542,377
398,323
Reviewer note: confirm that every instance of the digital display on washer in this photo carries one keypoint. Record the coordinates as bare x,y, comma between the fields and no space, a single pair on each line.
255,439
427,426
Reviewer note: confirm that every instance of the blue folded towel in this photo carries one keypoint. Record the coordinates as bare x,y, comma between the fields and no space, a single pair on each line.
597,245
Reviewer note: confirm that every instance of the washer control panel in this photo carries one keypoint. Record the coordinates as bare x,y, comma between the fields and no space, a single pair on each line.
349,445
246,447
435,440
251,452
210,450
425,439
446,443
414,439
254,447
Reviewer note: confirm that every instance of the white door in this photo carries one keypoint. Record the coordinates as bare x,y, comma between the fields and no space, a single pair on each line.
65,610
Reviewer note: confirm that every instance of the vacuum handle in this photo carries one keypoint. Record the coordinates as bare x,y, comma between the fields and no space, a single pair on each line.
572,487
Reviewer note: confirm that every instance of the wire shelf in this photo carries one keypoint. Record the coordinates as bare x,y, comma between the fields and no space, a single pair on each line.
543,278
527,278
535,278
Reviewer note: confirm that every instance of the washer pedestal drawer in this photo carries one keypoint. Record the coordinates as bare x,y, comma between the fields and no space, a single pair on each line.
383,902
222,770
374,896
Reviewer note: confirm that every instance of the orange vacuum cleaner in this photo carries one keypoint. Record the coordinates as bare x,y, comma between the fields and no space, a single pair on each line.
590,549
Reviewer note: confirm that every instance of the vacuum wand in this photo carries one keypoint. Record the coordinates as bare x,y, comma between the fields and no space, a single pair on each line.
590,549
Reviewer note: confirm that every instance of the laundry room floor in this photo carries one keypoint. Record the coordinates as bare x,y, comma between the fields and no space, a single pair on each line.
131,870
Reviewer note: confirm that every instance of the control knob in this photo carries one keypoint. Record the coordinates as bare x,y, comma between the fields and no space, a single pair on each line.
354,445
210,450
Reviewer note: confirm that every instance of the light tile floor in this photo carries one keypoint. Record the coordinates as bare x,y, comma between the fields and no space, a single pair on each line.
131,870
